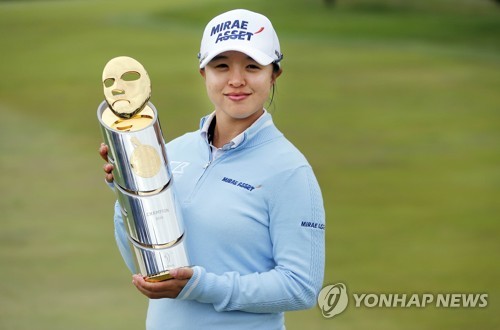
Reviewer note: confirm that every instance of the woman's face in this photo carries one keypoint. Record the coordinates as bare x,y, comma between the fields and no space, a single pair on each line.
238,86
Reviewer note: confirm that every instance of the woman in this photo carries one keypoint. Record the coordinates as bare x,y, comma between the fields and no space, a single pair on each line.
251,204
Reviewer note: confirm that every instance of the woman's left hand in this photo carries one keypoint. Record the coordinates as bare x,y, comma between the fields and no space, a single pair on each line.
166,289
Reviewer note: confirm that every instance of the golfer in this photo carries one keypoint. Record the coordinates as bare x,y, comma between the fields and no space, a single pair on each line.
252,207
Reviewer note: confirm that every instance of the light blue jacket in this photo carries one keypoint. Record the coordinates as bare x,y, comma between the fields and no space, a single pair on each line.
255,225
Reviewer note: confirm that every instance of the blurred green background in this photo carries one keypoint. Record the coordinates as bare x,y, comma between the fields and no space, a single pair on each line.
396,104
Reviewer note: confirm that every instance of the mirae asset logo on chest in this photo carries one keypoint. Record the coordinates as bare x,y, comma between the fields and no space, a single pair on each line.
240,184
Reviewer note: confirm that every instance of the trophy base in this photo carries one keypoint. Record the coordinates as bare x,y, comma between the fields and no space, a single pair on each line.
163,276
155,264
160,277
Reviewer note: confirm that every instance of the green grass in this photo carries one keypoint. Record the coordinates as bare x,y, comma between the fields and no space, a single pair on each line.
395,104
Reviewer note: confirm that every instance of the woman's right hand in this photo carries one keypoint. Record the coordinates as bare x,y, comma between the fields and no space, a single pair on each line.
108,168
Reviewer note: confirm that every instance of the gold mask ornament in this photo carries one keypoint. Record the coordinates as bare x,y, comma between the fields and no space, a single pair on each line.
127,87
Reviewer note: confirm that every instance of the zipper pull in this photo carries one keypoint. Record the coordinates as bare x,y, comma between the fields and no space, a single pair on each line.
206,165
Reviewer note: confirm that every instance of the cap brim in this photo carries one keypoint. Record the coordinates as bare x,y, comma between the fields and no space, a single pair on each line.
255,54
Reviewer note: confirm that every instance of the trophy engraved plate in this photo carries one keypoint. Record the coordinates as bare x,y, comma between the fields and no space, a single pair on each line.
142,177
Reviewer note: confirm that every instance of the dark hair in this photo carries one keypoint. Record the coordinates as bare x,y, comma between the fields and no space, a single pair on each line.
276,69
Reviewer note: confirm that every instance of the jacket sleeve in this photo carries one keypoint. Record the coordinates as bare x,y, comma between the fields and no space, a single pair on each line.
122,239
297,228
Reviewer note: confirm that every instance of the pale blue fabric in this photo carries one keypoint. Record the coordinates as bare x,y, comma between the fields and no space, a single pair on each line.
254,220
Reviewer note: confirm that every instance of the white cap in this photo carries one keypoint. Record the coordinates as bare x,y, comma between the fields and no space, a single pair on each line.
243,31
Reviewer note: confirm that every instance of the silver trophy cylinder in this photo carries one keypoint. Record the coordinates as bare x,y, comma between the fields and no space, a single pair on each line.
151,220
132,172
143,185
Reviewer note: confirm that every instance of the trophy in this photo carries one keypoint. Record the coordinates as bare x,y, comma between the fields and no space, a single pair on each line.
142,177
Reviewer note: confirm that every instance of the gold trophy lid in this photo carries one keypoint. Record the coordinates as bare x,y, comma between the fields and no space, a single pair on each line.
135,123
127,87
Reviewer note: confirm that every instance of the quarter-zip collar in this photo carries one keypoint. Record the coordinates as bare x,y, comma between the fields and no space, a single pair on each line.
260,131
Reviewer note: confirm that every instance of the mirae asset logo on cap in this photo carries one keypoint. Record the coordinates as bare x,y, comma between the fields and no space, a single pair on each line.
333,300
237,29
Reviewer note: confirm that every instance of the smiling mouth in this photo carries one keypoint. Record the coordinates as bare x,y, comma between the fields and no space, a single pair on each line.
237,96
